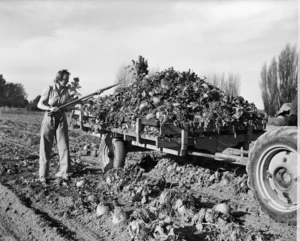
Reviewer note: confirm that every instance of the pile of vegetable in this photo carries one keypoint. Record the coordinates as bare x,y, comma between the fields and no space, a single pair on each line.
162,208
172,96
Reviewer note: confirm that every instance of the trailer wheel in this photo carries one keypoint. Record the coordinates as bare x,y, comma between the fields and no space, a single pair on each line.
111,153
272,173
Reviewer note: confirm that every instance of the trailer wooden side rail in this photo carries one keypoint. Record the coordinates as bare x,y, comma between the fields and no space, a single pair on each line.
231,144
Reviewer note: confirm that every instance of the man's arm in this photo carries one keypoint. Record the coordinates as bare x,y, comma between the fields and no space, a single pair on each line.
294,106
43,105
293,117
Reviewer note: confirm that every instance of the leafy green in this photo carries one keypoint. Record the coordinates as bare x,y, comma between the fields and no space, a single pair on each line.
176,97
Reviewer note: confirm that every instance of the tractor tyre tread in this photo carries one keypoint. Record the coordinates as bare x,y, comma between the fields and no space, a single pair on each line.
284,135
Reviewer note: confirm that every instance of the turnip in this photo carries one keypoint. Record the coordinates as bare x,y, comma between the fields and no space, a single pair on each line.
212,178
134,228
178,204
167,219
209,215
159,114
92,198
199,227
164,84
156,100
145,191
243,184
222,208
102,209
150,116
80,183
144,200
86,147
182,210
109,180
224,182
165,197
119,216
143,106
205,85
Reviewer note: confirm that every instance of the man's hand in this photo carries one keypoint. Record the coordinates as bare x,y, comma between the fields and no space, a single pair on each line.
53,109
74,94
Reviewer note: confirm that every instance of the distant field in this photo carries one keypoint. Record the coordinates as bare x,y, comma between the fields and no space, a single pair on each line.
65,211
16,113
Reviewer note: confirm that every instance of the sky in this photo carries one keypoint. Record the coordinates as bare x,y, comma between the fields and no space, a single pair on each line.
93,39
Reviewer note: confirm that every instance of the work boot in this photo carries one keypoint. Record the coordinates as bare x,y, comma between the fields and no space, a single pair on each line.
62,181
64,176
44,181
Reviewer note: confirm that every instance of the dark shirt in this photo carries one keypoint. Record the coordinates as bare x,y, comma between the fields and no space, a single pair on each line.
294,107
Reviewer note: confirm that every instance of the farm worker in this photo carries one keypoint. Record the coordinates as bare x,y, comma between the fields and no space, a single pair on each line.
291,118
74,86
55,126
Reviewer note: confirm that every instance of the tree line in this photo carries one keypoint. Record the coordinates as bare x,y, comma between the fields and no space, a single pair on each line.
11,94
278,84
279,80
14,95
229,83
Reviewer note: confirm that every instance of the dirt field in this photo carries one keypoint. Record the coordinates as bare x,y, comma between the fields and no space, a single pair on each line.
142,198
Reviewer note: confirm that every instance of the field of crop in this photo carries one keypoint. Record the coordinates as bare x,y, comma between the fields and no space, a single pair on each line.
155,197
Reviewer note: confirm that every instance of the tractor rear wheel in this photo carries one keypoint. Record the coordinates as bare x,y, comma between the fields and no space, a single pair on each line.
272,173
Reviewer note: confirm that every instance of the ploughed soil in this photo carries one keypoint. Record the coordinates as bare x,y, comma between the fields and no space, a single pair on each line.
155,197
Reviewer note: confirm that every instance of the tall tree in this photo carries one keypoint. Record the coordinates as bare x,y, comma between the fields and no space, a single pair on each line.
273,90
2,88
233,84
279,81
12,95
269,87
218,80
264,87
288,73
2,81
230,84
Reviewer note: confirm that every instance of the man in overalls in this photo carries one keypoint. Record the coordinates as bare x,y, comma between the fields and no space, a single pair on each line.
55,125
284,119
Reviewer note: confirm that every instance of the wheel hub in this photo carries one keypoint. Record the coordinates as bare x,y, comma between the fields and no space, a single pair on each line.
287,178
281,175
283,178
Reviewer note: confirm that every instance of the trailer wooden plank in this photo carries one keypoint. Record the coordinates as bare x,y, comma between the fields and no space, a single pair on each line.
150,122
170,129
184,139
144,121
193,128
153,147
